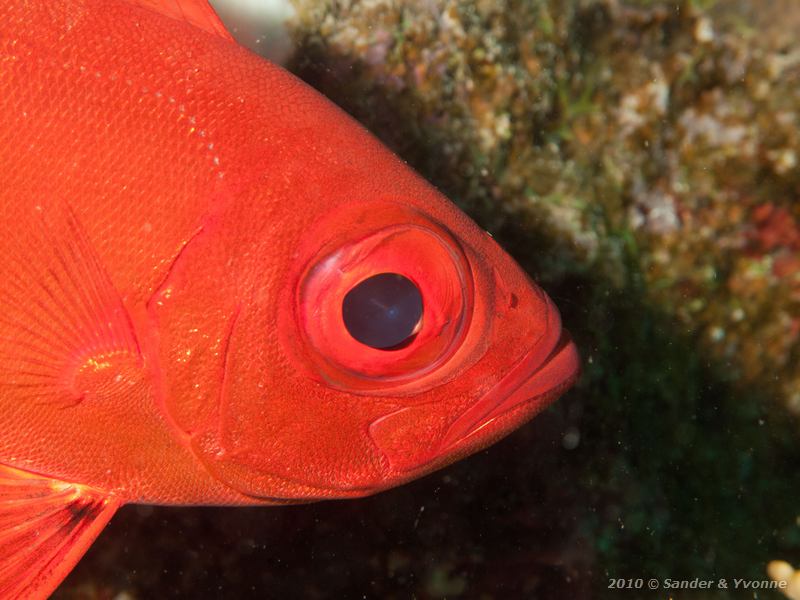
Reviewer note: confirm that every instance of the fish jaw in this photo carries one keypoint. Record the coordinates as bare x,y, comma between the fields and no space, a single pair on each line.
549,367
530,387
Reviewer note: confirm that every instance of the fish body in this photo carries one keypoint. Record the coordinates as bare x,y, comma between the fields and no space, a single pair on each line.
180,223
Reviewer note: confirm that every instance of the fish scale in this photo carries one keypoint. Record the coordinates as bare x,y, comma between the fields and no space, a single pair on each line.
180,223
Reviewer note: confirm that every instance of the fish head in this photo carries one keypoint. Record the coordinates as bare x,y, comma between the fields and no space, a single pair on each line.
406,338
432,328
374,331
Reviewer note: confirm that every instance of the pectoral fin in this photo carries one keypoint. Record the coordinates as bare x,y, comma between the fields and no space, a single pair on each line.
63,326
45,527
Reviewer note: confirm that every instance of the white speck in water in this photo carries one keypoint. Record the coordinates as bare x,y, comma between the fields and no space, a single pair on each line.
421,510
571,439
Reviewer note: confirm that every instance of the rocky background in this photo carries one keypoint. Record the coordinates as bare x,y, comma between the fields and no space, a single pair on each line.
641,159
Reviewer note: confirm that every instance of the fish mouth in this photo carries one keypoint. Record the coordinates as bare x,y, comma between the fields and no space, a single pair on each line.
546,366
530,386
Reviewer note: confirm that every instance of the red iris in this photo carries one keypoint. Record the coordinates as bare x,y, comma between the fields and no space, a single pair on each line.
407,245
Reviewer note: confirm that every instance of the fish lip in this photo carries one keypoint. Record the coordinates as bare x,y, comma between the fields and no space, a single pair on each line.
532,378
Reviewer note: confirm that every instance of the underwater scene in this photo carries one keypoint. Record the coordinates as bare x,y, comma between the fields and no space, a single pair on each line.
640,160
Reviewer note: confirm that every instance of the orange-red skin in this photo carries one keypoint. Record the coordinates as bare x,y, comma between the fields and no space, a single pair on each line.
205,181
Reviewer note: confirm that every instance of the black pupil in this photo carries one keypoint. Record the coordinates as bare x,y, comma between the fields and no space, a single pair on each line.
383,311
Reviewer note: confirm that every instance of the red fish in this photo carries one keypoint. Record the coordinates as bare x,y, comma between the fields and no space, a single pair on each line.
217,288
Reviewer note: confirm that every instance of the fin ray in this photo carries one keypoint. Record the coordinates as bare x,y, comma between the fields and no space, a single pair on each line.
45,527
62,309
199,13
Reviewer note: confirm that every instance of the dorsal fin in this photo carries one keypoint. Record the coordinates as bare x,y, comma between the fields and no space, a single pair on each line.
45,527
197,12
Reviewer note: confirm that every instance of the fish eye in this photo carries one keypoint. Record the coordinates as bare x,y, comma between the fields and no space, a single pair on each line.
383,311
383,304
